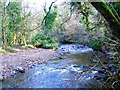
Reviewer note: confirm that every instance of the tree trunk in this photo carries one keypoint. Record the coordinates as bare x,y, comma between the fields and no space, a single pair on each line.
3,28
110,16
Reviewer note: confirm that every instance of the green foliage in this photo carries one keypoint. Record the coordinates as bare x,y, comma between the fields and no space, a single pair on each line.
83,8
24,29
44,41
50,21
17,24
14,11
96,44
9,39
115,6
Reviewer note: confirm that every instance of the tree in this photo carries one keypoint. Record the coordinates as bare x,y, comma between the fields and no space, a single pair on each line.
110,13
14,11
111,16
50,20
45,38
4,45
25,30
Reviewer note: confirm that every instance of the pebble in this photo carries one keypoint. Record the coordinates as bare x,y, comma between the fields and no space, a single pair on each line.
20,69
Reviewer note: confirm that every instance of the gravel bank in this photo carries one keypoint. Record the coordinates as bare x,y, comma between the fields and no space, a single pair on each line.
23,60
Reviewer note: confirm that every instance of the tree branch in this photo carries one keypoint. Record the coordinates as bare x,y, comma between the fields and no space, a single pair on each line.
45,16
66,19
110,17
48,12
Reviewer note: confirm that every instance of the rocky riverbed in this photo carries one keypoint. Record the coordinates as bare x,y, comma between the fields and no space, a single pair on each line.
71,66
23,60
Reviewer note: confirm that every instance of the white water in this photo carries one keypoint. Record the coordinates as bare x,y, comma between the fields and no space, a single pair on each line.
73,49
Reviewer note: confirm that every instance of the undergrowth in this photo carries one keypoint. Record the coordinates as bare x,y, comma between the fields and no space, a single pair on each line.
44,41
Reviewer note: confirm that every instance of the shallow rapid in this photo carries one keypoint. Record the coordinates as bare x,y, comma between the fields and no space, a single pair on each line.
74,71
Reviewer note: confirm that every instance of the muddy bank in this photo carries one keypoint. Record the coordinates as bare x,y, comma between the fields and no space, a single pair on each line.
24,60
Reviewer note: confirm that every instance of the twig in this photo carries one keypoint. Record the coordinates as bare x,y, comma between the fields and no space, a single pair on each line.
66,19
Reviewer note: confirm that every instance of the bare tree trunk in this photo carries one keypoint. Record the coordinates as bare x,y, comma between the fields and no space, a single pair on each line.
4,45
110,16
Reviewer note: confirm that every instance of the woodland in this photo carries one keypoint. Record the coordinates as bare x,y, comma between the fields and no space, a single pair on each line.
96,24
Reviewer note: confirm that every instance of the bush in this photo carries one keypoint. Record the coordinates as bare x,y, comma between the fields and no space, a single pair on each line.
44,41
96,44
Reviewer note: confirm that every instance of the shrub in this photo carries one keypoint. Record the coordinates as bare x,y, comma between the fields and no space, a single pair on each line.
44,41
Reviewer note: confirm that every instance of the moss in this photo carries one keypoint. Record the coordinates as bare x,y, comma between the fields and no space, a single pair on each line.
110,11
110,16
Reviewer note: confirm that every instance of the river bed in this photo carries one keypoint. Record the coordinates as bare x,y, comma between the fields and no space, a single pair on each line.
73,71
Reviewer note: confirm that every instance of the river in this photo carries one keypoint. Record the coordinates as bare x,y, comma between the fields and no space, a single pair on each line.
73,71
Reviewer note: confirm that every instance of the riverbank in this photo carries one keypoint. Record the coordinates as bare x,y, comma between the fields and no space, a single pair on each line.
24,60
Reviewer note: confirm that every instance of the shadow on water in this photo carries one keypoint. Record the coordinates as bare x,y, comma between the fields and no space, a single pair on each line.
61,73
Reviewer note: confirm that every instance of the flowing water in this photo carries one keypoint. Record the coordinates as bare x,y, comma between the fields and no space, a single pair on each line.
74,71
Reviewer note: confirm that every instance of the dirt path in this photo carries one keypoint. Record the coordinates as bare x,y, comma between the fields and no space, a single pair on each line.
24,60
